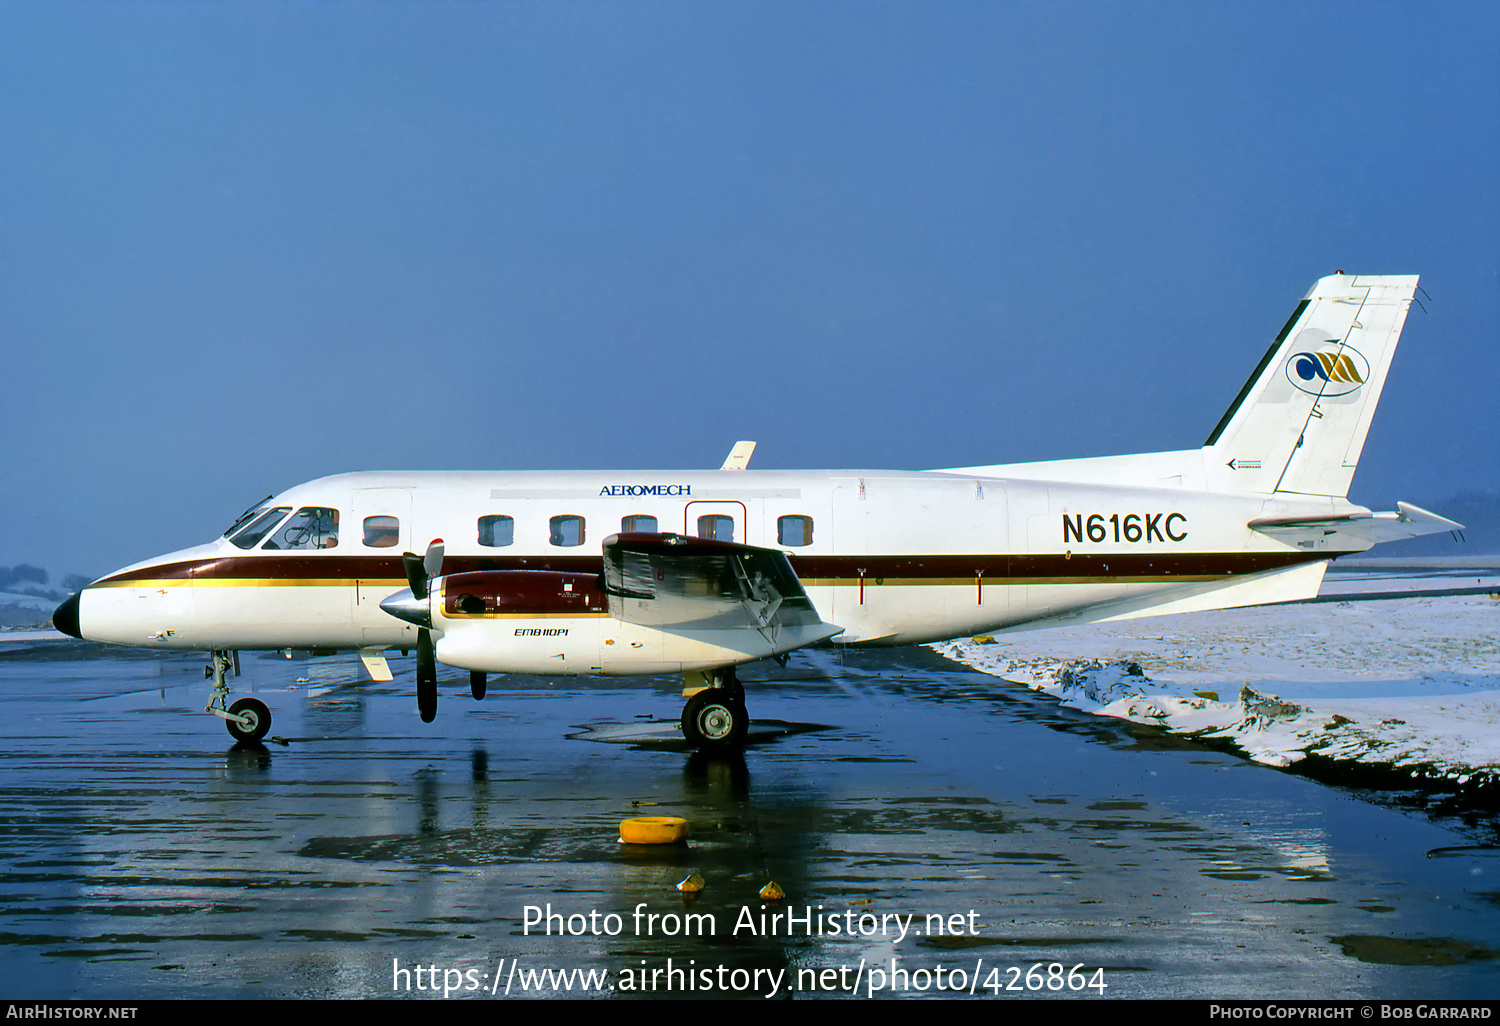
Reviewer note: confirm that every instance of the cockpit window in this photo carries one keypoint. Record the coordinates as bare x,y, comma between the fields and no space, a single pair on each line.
261,522
311,527
244,518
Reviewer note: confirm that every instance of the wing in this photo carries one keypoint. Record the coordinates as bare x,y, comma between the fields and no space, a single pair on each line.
672,582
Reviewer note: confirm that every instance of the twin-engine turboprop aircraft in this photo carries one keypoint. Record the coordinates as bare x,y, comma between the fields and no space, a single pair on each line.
698,572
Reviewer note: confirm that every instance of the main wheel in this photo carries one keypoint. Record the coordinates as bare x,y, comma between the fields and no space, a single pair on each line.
477,679
257,720
714,721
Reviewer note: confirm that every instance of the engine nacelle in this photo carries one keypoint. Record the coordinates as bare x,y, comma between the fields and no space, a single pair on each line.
663,604
543,621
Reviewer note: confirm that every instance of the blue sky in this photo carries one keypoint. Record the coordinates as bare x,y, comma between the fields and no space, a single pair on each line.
249,244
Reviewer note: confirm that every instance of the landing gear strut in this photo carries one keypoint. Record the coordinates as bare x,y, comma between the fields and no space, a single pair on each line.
714,718
247,719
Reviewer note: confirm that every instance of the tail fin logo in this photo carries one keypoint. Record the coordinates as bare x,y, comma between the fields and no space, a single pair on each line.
1338,370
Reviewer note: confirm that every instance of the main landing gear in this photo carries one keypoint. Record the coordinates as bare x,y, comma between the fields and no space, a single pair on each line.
247,719
714,718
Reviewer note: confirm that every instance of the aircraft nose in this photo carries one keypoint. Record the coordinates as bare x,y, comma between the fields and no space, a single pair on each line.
65,616
405,606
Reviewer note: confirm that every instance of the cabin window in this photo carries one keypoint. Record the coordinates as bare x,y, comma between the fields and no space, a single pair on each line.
567,531
382,532
496,532
716,526
259,526
794,530
638,524
311,527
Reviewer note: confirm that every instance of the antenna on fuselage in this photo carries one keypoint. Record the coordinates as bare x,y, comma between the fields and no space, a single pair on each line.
739,456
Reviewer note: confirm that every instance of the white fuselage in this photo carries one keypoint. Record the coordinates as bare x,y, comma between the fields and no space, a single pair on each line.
890,557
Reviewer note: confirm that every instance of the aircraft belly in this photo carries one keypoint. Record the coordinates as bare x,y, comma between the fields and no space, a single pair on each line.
1043,600
899,614
935,613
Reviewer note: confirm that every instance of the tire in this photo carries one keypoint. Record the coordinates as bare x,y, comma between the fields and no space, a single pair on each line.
477,684
654,830
713,721
254,710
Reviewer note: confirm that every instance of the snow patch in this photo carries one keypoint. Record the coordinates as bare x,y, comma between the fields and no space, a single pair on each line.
1412,683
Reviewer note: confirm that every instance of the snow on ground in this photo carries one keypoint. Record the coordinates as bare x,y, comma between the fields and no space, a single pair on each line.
1411,683
39,603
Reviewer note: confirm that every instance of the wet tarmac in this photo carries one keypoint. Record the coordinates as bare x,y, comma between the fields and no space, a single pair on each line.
936,832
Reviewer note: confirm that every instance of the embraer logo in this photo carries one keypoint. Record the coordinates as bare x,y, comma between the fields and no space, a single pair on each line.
1337,371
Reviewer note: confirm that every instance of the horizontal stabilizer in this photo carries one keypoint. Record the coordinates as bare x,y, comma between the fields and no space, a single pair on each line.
1355,531
670,581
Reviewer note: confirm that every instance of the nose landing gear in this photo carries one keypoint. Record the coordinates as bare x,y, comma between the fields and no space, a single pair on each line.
247,719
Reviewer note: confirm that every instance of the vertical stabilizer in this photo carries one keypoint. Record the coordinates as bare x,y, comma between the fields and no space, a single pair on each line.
1300,422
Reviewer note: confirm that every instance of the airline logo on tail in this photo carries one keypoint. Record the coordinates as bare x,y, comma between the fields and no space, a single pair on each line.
1338,370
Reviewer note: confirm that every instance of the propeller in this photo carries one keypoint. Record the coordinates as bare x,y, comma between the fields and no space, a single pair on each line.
416,608
420,573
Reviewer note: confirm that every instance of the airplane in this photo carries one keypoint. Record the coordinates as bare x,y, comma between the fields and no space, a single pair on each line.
698,572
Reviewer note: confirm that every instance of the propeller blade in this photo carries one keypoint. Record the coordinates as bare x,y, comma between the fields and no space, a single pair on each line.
416,574
433,561
426,676
420,570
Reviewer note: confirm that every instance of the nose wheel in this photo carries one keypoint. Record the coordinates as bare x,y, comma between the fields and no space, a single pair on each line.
248,720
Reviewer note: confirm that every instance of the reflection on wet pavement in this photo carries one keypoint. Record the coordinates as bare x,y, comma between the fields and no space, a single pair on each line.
935,831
